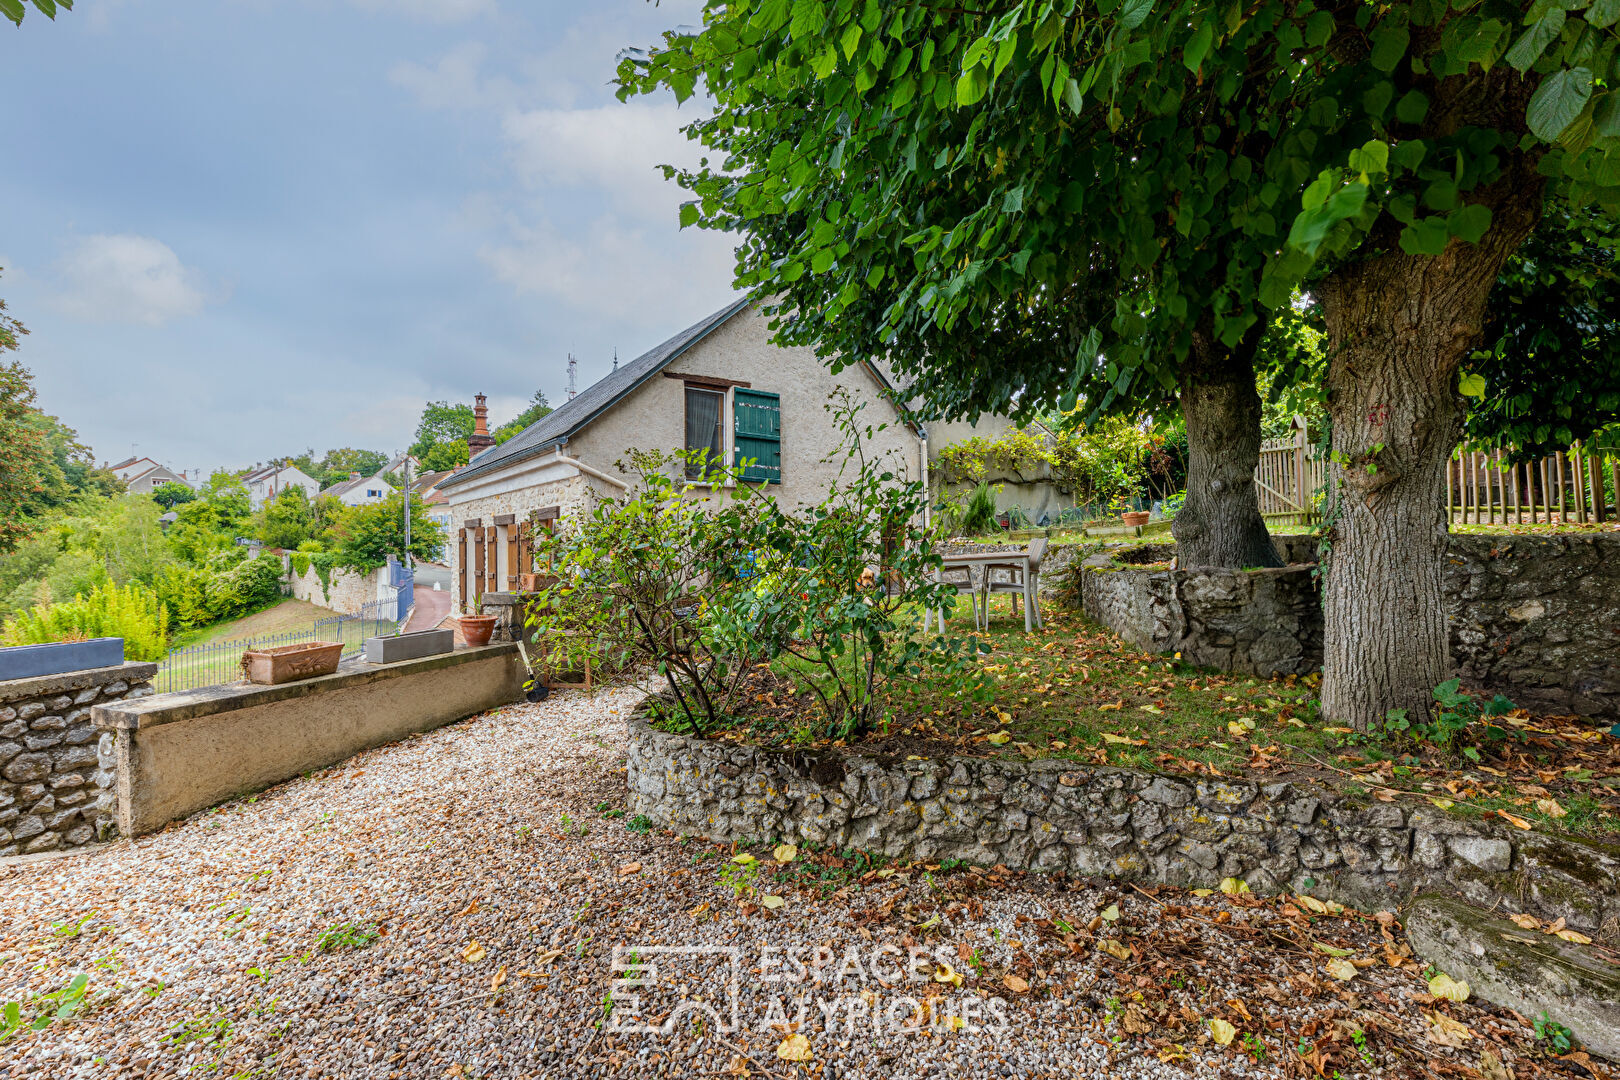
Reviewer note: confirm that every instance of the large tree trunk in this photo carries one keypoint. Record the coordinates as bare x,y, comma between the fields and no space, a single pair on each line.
1399,327
1220,523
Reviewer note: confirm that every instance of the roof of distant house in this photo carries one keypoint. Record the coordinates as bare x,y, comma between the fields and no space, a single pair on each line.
571,416
428,481
341,489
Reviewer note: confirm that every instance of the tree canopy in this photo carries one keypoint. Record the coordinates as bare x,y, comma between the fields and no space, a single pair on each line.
538,407
16,9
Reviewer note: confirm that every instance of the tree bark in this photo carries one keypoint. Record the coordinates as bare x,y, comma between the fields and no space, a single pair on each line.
1399,327
1220,523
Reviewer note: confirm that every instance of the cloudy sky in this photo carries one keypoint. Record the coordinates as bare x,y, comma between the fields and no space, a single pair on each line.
241,228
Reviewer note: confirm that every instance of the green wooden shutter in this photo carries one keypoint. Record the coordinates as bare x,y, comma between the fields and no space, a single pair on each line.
759,434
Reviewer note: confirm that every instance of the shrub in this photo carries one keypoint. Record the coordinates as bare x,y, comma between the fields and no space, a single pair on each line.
184,591
702,589
979,513
131,612
244,588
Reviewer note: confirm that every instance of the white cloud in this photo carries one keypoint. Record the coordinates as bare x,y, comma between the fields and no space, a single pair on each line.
443,11
454,82
126,278
612,148
625,275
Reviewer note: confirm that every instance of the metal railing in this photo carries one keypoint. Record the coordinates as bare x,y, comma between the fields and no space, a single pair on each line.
218,662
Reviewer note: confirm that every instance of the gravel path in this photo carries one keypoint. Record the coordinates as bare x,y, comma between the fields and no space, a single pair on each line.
449,906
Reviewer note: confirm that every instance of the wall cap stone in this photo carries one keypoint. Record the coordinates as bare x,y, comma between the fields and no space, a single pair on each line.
161,709
131,671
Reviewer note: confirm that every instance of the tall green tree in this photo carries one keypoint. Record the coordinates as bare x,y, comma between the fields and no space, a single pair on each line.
538,407
441,423
366,535
1170,173
27,470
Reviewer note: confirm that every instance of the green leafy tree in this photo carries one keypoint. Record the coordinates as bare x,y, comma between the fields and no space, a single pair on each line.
170,496
287,520
366,535
27,470
445,455
441,422
16,9
538,407
1116,194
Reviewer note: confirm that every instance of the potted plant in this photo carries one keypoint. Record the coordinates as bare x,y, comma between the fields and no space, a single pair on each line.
1131,517
289,663
477,629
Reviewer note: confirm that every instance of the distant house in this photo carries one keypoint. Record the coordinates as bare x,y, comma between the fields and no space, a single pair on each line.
435,501
142,475
719,386
359,490
268,481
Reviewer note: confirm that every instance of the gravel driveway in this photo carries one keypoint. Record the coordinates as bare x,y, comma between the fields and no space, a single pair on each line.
450,906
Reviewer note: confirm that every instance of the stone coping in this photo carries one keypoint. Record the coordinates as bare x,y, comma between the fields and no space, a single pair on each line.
162,709
1102,821
131,671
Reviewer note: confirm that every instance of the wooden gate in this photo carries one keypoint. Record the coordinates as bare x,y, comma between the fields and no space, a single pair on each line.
1288,478
1482,488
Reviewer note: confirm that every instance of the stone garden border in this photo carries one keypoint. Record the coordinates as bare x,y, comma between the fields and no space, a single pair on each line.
1053,815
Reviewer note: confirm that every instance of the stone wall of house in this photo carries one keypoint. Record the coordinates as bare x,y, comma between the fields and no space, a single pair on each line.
573,496
56,772
1056,815
1538,618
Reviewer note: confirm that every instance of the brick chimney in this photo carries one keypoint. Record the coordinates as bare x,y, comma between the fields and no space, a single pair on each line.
480,439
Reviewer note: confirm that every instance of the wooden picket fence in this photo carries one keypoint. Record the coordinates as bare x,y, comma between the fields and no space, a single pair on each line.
1288,477
1577,486
1565,487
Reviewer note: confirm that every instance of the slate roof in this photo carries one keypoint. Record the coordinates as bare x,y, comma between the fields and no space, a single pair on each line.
340,489
570,417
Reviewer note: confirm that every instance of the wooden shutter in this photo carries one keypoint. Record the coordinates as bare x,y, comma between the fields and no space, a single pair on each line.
525,550
759,434
492,566
461,568
478,563
513,566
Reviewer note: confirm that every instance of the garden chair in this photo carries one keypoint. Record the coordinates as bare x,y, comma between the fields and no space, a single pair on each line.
1023,583
965,580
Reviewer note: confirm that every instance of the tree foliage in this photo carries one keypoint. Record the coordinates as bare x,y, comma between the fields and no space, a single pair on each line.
26,465
366,535
538,407
16,9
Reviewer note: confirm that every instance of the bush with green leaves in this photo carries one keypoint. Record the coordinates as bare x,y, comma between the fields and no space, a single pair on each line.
1457,718
132,612
701,586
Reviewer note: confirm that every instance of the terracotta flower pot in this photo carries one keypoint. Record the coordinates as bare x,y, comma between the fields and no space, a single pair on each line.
289,663
476,630
1133,518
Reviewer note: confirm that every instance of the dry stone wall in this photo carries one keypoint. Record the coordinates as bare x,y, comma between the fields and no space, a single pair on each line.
56,771
1055,815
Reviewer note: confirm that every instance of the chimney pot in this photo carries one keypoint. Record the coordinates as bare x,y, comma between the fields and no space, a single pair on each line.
480,439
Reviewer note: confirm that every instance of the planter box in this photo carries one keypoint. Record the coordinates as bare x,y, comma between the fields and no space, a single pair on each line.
397,647
31,661
289,663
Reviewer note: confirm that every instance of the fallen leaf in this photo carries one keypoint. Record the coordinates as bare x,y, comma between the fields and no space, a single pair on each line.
744,859
468,910
794,1048
1203,892
1491,1067
999,738
1173,1052
1222,1032
1134,1022
1526,922
1331,950
944,973
500,977
629,868
1575,937
1444,1030
785,853
1444,986
1114,949
1551,808
1117,740
1110,913
1015,984
1444,804
473,953
771,903
1516,822
1311,903
1234,886
1341,969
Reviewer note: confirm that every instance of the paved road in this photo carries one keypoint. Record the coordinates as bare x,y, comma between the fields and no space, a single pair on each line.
432,607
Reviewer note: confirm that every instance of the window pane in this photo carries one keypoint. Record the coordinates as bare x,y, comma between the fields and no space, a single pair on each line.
703,425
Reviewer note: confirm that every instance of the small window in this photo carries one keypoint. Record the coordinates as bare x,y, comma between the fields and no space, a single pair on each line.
704,409
373,493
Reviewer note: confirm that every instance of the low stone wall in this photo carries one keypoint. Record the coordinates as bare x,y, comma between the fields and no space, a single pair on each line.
349,591
175,754
1062,816
55,781
1536,618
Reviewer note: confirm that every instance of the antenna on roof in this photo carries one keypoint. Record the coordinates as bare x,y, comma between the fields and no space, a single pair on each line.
615,358
573,369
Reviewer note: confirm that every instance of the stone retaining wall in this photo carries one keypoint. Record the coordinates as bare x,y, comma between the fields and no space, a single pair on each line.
1062,816
1536,618
56,776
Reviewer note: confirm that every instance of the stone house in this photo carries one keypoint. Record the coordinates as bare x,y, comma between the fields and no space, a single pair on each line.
719,385
148,480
